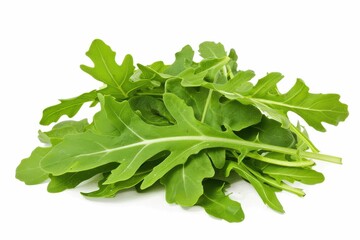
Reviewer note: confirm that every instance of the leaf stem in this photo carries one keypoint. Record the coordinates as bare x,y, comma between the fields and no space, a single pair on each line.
208,99
280,162
274,183
149,94
303,138
323,157
230,143
207,104
231,75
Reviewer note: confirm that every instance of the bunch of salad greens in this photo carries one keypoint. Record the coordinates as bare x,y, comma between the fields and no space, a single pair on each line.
194,127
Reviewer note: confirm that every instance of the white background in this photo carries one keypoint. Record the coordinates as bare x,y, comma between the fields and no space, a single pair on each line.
42,44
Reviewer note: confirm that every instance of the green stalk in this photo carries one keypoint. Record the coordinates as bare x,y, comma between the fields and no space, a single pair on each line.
303,138
208,99
231,75
274,183
280,162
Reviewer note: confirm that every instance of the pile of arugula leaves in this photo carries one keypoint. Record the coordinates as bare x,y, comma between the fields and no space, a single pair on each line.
195,127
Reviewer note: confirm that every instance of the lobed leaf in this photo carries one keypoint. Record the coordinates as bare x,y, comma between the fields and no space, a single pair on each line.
291,174
29,170
193,126
69,107
218,204
183,60
183,184
266,193
313,108
106,70
71,180
212,50
62,129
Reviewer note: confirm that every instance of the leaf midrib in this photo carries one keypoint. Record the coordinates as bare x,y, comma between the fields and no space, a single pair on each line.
217,142
110,73
265,101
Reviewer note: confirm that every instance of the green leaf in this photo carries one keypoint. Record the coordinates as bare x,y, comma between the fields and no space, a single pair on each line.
271,132
183,184
217,156
233,63
188,125
266,84
183,60
109,72
209,109
148,73
159,66
152,110
140,141
71,180
276,183
266,193
291,174
239,84
212,50
101,124
211,66
67,107
110,190
29,170
216,203
313,108
62,129
303,141
133,147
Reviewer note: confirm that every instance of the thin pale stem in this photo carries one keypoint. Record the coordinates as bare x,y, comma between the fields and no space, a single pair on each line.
280,162
300,135
231,75
274,183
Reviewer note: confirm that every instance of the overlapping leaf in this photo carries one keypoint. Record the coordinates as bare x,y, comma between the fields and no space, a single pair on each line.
217,203
67,107
192,126
133,147
183,184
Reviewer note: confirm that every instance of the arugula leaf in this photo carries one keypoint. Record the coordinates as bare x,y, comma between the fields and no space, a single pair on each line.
209,109
109,72
110,190
217,156
192,126
184,59
151,110
266,193
313,108
29,170
60,130
275,183
271,132
291,174
232,65
71,180
135,145
218,204
212,50
183,183
67,107
148,73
